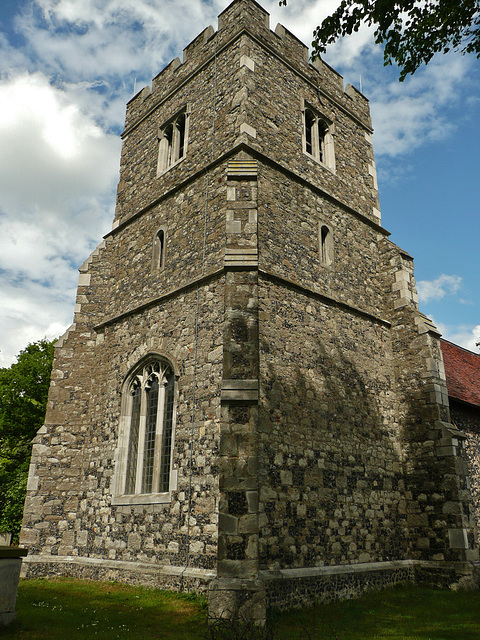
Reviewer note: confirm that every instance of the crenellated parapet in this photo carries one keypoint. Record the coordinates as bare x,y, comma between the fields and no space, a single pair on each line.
239,17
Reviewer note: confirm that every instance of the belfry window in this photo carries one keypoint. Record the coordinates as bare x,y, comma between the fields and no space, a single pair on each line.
317,138
173,139
144,460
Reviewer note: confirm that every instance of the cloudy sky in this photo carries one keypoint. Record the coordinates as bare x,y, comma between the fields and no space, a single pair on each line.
67,68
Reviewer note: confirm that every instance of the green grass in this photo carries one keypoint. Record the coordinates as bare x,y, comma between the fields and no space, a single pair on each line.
68,609
401,613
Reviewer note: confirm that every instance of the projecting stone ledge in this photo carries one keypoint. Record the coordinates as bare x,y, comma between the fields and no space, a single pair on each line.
244,390
241,257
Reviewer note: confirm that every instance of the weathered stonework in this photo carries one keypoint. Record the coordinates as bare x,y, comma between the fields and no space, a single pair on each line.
312,452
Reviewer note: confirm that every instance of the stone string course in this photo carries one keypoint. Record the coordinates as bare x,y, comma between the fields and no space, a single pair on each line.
312,422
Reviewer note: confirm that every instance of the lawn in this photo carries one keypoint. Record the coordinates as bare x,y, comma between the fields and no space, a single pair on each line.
70,609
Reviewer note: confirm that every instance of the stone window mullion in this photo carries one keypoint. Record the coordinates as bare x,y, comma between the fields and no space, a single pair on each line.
175,143
315,138
143,469
159,436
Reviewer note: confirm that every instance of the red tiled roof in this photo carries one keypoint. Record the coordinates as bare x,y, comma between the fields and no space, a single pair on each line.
462,369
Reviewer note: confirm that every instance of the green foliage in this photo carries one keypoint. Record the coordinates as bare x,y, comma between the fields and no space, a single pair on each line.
23,401
411,31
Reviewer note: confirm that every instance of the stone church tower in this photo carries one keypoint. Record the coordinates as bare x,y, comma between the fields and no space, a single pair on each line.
249,399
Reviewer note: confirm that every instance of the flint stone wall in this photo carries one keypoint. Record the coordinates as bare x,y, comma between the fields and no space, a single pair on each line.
467,418
320,427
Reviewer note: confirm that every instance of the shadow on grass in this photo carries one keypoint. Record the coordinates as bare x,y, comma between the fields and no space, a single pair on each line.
399,613
67,609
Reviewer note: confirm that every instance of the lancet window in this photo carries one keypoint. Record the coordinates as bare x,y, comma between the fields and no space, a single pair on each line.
325,245
158,257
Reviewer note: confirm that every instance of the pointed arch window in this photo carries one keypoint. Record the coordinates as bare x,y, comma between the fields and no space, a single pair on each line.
325,245
159,242
143,471
173,140
318,138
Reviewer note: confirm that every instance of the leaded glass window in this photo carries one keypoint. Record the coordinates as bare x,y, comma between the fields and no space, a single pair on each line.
151,408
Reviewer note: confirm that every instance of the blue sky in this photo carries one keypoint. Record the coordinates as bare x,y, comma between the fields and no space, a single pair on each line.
67,68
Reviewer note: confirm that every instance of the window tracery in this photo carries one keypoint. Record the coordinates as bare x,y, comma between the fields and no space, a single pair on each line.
147,430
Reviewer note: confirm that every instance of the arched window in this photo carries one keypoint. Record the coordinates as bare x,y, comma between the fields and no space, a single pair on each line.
326,245
181,125
322,134
317,138
309,131
168,144
144,460
173,138
158,258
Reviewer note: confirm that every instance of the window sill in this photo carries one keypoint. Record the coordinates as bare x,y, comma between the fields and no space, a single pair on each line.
142,498
322,164
174,164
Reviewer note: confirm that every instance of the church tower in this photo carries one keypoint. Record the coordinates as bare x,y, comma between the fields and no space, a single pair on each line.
249,399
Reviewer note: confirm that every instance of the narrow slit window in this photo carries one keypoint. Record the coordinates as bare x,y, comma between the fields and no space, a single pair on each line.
159,250
150,435
322,132
167,433
326,245
309,126
181,135
168,137
136,393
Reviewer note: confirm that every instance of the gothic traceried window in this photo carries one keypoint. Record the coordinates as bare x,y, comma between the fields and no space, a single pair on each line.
145,460
173,140
317,138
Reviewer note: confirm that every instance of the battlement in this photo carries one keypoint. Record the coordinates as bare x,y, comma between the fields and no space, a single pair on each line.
197,44
238,17
244,12
294,48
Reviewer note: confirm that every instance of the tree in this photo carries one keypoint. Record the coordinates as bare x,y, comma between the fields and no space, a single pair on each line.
23,401
410,30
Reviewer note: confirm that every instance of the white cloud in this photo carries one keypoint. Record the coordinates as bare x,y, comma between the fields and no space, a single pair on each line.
464,335
58,171
32,311
50,150
120,37
437,289
300,16
410,114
